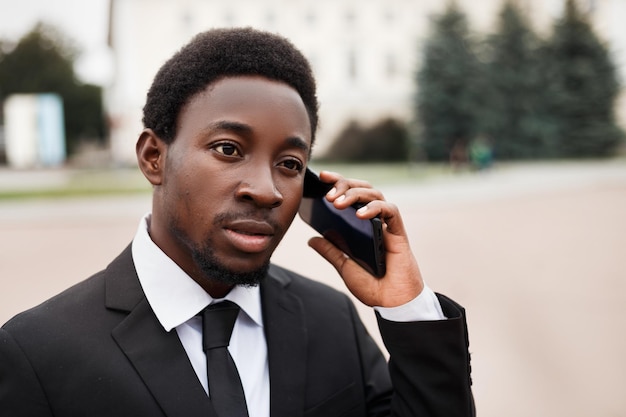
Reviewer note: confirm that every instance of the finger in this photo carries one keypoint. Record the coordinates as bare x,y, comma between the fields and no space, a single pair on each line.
330,252
388,212
358,281
341,184
356,196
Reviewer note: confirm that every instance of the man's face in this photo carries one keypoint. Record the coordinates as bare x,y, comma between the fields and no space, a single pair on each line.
232,179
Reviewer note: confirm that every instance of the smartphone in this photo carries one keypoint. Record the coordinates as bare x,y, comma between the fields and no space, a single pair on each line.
361,240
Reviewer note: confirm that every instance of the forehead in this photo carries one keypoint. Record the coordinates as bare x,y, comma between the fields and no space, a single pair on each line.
261,103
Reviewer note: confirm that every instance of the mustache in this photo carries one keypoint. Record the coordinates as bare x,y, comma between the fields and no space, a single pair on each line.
222,219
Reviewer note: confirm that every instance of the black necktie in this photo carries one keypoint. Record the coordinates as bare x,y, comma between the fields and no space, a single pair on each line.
225,387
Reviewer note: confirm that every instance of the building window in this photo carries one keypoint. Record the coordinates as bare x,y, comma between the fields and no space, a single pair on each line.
591,6
352,65
229,18
310,18
186,19
391,65
270,18
350,17
389,17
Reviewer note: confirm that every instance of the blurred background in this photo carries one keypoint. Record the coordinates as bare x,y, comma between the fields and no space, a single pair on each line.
496,126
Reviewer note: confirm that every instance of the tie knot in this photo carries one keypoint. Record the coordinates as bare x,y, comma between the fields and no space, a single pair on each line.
218,321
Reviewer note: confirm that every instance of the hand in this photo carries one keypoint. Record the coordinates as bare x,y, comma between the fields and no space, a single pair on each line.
403,280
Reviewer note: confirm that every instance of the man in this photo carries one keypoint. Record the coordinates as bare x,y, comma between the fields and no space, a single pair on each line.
230,121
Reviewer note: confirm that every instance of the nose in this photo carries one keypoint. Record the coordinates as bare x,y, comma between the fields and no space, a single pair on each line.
260,189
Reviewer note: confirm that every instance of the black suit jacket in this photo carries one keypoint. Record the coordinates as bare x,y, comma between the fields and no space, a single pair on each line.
97,349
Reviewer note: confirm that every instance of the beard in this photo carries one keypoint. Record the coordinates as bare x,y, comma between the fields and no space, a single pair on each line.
215,270
211,267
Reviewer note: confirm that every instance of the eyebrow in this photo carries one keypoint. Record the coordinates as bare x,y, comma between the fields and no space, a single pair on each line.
293,141
298,142
230,125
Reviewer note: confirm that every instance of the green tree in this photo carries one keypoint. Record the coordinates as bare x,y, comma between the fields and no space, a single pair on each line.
513,118
583,86
447,86
42,62
386,141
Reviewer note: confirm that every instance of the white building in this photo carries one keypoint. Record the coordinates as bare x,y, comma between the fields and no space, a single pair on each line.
364,52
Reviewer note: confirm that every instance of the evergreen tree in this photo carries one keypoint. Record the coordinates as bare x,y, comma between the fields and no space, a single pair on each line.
447,84
583,87
42,62
513,118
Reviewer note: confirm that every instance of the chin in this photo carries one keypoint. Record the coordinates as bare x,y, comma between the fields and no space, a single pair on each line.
229,272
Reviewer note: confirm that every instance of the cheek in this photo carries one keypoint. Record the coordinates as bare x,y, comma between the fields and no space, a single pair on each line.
291,201
191,203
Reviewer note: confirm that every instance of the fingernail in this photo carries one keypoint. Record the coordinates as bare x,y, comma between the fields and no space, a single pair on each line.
362,209
340,198
331,192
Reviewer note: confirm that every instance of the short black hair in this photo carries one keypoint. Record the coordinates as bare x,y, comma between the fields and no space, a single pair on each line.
219,53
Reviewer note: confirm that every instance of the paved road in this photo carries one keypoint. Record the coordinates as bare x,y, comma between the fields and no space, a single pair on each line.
535,253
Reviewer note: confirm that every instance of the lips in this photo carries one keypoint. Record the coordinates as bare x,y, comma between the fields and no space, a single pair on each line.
250,236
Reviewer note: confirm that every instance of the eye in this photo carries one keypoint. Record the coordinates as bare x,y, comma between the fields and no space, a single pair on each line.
293,165
227,149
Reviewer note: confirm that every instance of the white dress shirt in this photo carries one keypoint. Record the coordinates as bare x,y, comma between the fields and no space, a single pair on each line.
176,298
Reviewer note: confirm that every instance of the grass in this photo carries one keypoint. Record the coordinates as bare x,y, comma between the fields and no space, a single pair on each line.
387,173
103,182
73,183
63,193
66,183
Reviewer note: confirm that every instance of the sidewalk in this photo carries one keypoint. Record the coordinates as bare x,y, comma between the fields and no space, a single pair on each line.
65,182
15,180
534,252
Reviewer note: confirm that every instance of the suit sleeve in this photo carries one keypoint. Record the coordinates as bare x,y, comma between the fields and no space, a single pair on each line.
430,365
378,390
21,394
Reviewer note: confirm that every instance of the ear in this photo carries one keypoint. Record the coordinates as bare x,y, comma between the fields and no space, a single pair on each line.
151,151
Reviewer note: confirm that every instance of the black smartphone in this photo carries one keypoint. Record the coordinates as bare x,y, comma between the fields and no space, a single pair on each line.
361,240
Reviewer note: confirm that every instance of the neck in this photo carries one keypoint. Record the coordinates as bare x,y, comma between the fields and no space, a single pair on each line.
214,288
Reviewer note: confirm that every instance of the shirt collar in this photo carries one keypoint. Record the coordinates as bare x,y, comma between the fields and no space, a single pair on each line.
172,294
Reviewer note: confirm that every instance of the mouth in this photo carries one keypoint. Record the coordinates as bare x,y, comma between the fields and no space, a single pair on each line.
250,236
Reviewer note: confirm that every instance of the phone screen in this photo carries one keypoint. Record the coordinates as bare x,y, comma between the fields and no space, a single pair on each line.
360,239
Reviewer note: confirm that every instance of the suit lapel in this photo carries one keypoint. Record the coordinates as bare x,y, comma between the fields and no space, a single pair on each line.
162,363
158,356
286,340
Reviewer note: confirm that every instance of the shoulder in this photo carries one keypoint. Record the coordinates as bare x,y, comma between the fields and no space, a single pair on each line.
76,304
61,308
304,286
320,303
